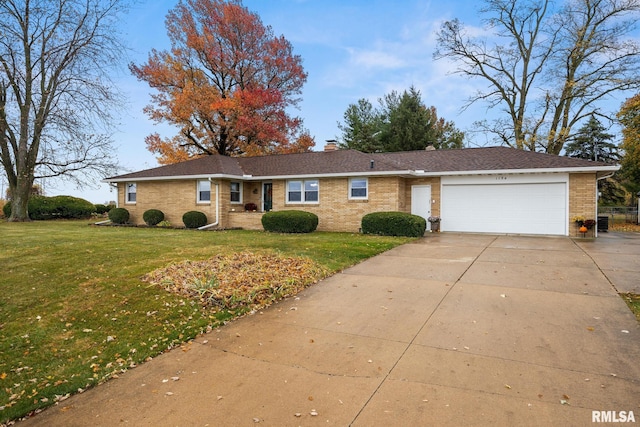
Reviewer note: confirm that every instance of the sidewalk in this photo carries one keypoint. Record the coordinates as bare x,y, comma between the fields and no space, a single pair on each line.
451,330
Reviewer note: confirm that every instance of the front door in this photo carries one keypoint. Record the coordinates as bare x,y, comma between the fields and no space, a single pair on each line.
421,202
267,197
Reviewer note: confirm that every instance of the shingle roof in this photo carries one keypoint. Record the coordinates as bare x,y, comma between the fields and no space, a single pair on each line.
201,166
313,163
484,159
353,162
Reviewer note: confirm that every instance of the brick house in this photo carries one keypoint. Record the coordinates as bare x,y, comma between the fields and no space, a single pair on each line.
486,190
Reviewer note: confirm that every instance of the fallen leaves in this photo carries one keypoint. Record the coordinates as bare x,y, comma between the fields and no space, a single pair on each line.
240,279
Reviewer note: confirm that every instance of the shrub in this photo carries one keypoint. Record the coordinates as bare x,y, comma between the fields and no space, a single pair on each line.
119,215
194,219
6,209
57,207
250,207
103,209
290,221
41,207
153,217
70,207
394,224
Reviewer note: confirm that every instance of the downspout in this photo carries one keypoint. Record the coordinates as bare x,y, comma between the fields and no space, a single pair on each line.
213,224
599,179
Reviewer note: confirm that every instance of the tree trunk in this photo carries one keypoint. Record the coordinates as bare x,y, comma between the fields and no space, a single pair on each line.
20,199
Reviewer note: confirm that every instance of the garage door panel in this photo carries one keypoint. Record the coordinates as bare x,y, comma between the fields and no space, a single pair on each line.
523,208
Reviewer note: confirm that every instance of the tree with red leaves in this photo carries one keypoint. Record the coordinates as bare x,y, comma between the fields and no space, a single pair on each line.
226,83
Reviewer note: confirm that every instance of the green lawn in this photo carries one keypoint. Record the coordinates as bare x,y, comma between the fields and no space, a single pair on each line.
74,310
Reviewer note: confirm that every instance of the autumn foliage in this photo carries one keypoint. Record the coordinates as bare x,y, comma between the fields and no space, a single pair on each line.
226,83
629,117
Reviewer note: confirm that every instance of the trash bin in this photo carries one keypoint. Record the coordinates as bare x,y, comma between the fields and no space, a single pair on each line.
603,223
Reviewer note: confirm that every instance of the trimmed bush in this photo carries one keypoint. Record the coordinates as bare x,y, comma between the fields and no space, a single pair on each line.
71,207
290,221
103,209
194,219
250,207
119,215
394,224
153,217
57,207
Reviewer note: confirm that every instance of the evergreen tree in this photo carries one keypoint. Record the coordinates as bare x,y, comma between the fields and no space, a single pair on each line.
362,126
401,123
592,142
408,123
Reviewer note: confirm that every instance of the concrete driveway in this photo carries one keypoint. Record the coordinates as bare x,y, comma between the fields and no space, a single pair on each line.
450,330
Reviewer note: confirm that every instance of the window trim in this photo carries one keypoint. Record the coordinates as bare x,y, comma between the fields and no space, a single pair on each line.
199,192
303,192
128,193
366,188
239,202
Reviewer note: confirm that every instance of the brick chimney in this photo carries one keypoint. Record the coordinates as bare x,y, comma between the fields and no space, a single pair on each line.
331,145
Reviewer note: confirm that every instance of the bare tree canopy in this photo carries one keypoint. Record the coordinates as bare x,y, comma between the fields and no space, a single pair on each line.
56,98
547,68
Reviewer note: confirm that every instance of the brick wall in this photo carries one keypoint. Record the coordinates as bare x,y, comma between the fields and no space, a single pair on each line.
173,198
335,211
245,220
582,200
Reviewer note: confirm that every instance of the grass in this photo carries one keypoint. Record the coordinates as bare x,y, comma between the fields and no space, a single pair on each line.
633,301
74,311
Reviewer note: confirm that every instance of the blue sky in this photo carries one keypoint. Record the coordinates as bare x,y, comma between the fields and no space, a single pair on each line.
351,49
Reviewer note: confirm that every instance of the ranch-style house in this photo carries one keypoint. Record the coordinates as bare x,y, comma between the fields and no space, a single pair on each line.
477,190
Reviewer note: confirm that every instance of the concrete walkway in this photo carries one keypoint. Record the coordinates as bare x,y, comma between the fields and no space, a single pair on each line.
450,330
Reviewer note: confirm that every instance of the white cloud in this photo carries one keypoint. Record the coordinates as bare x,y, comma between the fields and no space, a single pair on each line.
375,59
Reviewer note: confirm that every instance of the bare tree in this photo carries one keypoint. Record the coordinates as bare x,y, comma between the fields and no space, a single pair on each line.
547,69
56,98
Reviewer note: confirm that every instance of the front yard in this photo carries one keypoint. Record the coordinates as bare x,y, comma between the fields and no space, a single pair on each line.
75,310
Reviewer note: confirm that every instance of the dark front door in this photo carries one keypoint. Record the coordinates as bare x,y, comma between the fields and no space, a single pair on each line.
267,200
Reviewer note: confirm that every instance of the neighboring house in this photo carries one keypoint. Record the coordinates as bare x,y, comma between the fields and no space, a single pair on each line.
485,190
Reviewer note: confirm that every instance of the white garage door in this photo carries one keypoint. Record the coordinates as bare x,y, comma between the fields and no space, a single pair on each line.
522,204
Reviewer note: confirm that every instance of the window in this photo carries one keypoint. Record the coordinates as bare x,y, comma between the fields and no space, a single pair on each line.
236,192
358,188
131,193
311,191
303,191
294,193
204,191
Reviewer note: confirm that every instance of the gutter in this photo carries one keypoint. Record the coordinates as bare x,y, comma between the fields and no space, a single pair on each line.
605,176
398,172
213,224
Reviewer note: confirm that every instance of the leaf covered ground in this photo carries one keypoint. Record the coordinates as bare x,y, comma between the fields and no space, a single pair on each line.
244,279
625,227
